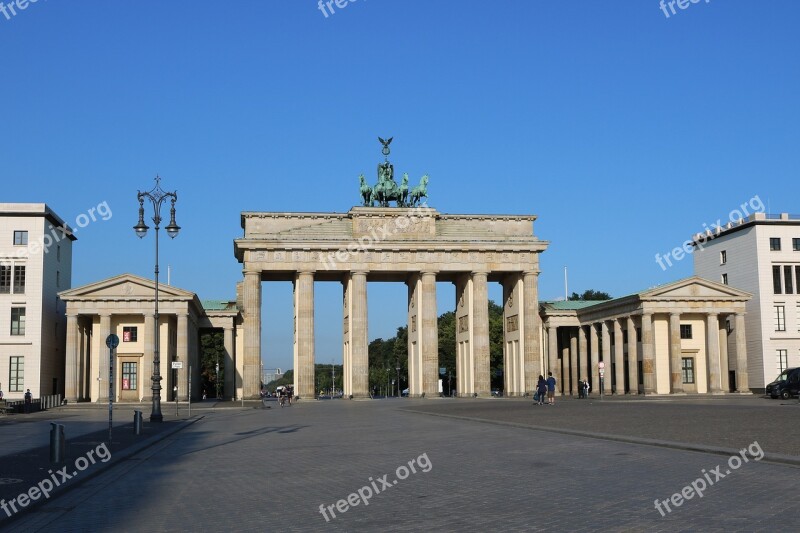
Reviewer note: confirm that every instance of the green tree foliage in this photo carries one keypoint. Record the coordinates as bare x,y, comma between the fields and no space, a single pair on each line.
212,351
590,294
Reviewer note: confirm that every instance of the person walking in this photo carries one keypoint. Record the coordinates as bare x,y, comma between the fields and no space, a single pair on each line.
551,389
28,400
541,389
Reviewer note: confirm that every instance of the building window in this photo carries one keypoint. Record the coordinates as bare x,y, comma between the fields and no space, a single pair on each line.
780,318
20,238
787,275
129,334
723,257
58,278
687,369
724,279
783,356
796,244
16,374
776,280
19,279
775,244
5,279
58,253
686,331
129,376
18,321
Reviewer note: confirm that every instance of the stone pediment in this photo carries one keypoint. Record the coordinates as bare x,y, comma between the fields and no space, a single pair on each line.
694,288
124,286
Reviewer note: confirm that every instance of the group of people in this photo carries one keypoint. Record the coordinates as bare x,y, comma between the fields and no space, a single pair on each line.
546,390
285,394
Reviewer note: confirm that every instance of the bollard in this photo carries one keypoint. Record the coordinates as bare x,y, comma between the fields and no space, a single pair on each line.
57,443
137,422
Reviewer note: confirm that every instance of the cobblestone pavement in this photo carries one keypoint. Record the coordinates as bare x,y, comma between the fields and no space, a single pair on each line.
269,470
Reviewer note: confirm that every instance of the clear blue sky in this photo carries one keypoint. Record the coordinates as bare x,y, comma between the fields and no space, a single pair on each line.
623,130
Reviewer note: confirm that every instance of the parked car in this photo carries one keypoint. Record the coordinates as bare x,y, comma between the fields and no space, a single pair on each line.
786,385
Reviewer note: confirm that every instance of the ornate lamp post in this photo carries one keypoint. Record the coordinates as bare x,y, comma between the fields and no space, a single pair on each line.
157,196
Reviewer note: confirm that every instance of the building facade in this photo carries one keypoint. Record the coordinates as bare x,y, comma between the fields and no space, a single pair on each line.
761,255
35,264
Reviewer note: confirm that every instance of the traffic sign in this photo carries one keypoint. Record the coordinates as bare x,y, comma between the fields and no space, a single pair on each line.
112,341
177,364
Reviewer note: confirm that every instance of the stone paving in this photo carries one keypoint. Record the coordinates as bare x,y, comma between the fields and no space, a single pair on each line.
271,469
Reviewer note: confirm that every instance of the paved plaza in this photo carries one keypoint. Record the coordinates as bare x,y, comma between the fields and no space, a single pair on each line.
448,465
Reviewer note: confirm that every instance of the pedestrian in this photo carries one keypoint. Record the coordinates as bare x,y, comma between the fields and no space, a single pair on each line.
585,387
541,389
551,389
28,400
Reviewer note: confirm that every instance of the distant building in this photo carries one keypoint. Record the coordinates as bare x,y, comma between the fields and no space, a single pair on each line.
35,264
271,374
760,254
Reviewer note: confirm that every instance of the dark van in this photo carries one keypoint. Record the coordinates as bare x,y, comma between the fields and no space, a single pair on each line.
786,385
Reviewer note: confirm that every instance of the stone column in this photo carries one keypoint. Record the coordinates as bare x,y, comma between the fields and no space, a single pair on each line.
712,349
532,329
228,368
723,355
619,358
148,339
358,336
573,361
583,354
304,335
633,358
182,354
552,354
71,364
252,334
595,358
675,353
742,380
103,357
481,334
606,356
648,354
415,342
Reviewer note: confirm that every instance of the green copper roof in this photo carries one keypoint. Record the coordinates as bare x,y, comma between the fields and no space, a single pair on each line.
216,305
572,305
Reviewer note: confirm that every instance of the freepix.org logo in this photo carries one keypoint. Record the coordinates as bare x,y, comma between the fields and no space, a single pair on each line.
11,9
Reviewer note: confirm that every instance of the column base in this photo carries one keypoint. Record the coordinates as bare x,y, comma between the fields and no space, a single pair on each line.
633,393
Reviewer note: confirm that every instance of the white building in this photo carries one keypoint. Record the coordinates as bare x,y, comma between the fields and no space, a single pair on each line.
35,264
761,255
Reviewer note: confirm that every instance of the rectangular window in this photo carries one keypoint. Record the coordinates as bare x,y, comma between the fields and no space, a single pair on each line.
777,288
5,279
58,253
19,279
58,278
129,334
723,257
724,279
686,331
18,321
783,356
16,374
129,376
775,244
780,318
20,238
796,244
687,369
787,278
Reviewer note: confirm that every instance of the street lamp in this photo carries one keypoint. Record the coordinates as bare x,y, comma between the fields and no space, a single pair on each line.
398,379
157,196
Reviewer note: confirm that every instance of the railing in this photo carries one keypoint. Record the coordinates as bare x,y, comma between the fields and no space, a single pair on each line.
37,404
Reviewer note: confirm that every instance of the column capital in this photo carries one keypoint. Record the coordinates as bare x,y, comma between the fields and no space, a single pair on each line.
710,314
531,273
428,272
676,314
359,272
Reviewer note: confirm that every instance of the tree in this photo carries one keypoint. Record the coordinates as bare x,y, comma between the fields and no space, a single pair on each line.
212,351
590,295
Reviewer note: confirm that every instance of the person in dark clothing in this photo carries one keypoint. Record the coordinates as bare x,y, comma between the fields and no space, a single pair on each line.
541,389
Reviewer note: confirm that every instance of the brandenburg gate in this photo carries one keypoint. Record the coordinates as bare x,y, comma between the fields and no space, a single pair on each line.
412,244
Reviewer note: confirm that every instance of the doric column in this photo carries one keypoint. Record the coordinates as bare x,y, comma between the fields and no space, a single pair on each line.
552,353
712,349
71,364
103,357
595,358
619,358
606,356
675,353
633,358
252,335
573,361
742,381
304,335
532,329
723,354
359,353
481,333
583,354
182,353
648,354
228,368
148,346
